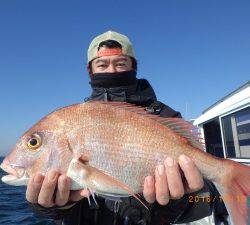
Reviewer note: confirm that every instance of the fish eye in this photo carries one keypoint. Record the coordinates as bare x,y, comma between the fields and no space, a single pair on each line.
34,142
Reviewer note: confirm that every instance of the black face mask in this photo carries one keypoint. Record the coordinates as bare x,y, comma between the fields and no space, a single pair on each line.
109,80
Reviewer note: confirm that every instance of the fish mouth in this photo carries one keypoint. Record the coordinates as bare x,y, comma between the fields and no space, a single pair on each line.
16,176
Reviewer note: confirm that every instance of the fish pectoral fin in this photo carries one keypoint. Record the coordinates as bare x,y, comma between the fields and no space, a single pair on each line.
86,176
79,173
99,177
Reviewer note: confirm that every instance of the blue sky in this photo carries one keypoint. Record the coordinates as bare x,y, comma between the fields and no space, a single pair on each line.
193,53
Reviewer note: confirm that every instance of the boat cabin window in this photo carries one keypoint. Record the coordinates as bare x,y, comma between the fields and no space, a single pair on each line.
236,131
213,139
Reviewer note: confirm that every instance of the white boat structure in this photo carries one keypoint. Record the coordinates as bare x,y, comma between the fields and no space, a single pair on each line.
225,126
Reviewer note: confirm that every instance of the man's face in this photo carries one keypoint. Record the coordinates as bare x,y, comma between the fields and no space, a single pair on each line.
111,64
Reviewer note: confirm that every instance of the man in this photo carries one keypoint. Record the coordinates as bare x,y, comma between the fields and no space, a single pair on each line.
112,67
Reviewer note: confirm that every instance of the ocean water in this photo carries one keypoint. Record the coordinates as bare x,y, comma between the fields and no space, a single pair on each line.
14,208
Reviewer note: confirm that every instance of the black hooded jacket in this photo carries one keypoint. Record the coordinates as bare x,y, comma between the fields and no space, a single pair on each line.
130,211
139,93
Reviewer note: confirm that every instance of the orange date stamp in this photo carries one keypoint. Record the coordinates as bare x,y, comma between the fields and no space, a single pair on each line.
224,198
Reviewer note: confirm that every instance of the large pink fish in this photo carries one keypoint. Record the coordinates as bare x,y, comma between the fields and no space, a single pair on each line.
109,148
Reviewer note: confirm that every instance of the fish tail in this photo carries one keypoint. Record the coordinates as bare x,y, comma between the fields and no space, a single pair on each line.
234,191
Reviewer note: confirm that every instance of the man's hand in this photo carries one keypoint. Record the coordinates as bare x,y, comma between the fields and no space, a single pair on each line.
168,183
52,189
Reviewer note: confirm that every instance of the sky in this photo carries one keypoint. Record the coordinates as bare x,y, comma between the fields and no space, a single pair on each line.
192,52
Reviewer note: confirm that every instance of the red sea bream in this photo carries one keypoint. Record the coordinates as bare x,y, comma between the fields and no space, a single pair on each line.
109,148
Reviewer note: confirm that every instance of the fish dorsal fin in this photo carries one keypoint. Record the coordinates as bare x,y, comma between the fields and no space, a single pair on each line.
184,128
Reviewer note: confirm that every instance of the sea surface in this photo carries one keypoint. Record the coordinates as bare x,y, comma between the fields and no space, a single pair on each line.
14,208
